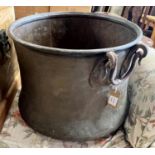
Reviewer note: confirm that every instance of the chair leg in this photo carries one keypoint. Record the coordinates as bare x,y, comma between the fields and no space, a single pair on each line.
153,35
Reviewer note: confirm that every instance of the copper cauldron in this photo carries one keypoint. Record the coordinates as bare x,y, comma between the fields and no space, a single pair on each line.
70,64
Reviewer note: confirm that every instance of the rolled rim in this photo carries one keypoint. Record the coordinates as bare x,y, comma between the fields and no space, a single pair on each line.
56,50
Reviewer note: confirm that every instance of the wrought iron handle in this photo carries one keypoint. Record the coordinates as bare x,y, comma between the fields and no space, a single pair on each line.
139,51
107,67
4,47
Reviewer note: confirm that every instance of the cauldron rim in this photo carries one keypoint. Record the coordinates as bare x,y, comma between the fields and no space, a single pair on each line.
64,51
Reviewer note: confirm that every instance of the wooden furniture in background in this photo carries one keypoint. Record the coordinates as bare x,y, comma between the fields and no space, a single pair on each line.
22,11
8,99
137,14
70,8
7,16
151,22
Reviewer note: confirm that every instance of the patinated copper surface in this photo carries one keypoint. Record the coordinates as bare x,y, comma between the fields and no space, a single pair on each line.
69,64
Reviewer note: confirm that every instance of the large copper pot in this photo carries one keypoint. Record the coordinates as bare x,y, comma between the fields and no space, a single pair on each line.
70,64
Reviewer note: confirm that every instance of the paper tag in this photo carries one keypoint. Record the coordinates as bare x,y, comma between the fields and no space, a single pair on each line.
113,97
